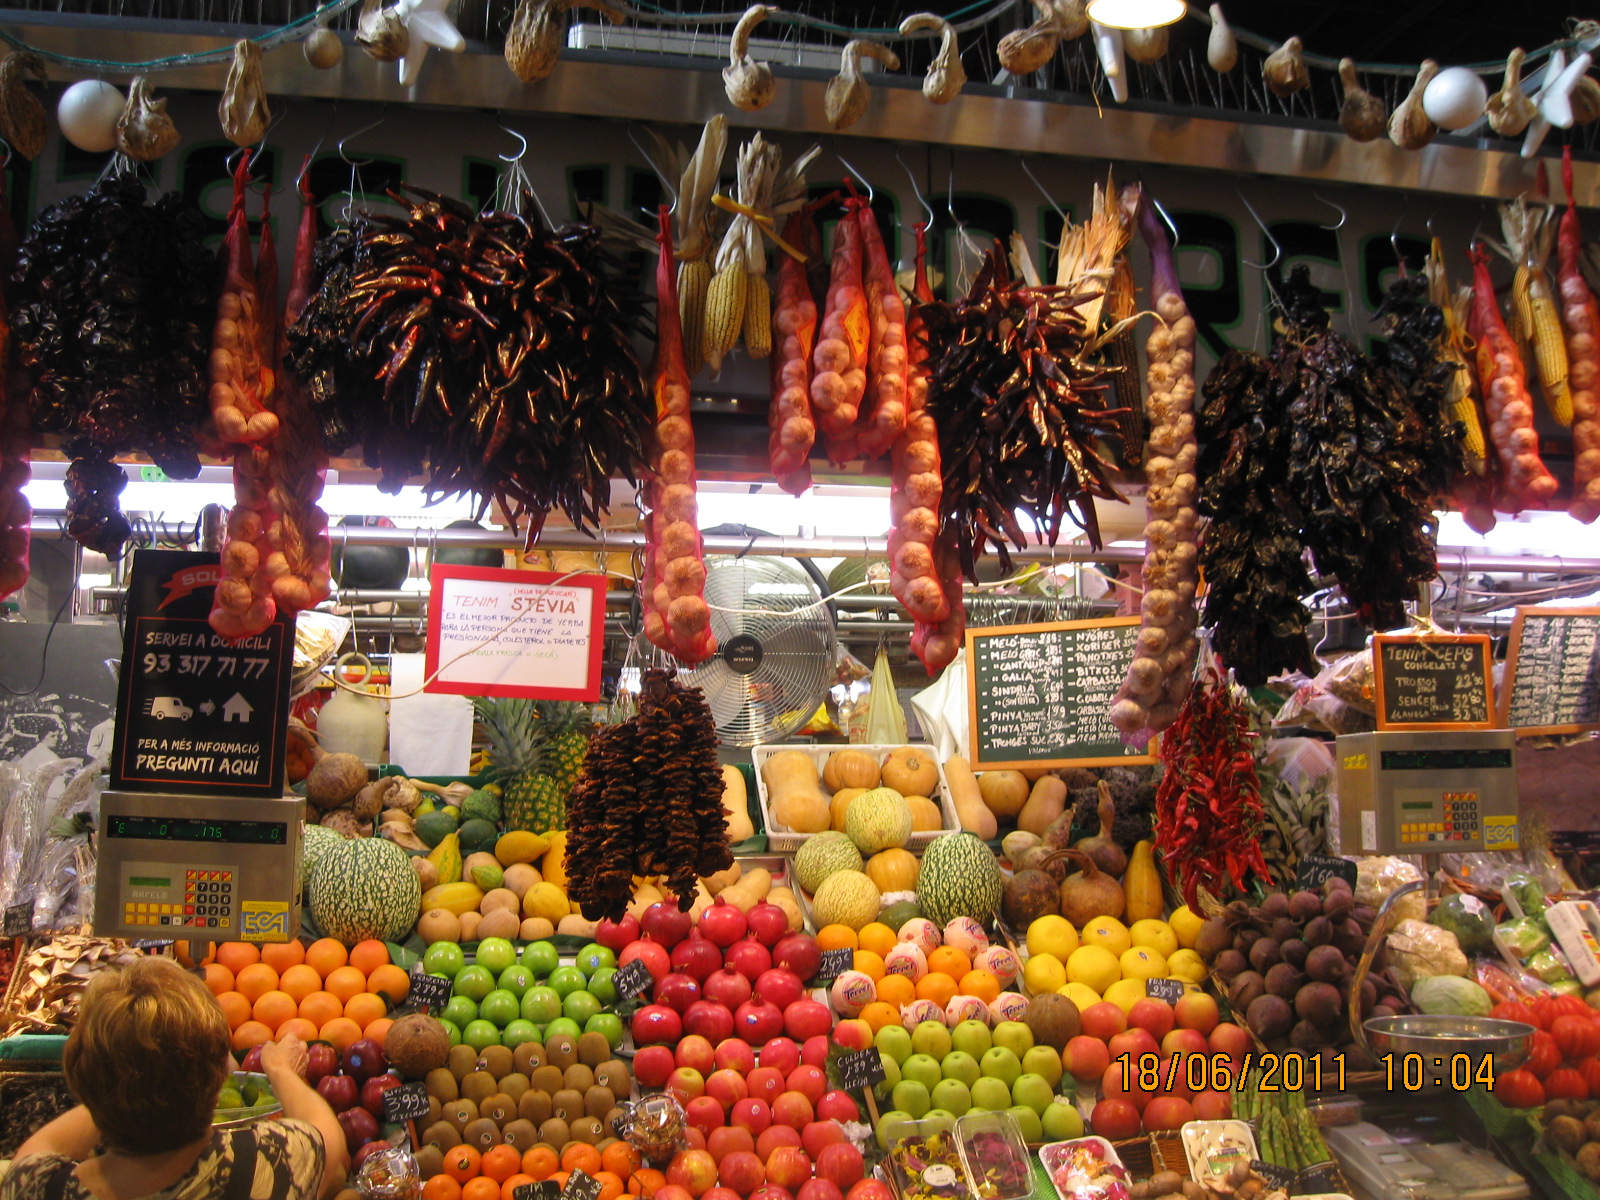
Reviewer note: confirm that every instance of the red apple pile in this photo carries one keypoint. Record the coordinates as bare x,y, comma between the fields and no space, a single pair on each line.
1564,1058
353,1088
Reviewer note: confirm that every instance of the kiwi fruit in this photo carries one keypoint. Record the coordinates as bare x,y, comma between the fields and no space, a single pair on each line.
499,1108
443,1084
597,1101
442,1134
612,1117
613,1073
521,1135
463,1060
555,1131
578,1077
483,1134
546,1078
479,1086
514,1085
534,1106
435,1110
567,1104
528,1056
593,1049
497,1060
608,1141
430,1161
561,1051
461,1113
587,1129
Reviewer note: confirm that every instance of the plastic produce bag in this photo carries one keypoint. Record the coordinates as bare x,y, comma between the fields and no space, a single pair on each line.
1469,919
1418,950
886,722
1376,877
1525,895
1523,937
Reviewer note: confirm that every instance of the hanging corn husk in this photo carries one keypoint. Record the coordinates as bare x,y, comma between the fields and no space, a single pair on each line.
1409,127
1145,45
694,179
1222,48
381,32
727,295
1362,115
324,49
945,76
22,118
1024,51
1285,71
846,98
533,42
144,131
244,112
1510,109
748,83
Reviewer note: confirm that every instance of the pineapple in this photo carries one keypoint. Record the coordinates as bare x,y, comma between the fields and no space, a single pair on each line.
536,750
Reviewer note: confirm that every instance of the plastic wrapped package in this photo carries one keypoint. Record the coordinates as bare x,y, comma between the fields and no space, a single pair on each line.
1377,876
38,843
1469,919
1418,950
1523,937
389,1175
1548,966
1527,894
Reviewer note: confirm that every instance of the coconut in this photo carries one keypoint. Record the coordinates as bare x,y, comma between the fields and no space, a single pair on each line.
1054,1020
416,1045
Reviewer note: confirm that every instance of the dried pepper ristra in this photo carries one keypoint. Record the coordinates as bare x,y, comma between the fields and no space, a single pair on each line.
1209,815
648,802
1582,322
676,617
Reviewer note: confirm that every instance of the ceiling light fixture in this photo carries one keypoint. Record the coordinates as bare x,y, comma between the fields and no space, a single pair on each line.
1136,14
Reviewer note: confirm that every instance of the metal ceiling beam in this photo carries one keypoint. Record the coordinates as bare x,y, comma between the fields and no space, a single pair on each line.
652,88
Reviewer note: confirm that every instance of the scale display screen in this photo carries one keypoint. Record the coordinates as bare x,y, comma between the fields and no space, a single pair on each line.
1445,760
191,829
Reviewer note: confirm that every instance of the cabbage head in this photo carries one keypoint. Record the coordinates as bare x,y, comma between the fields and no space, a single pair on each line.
1450,995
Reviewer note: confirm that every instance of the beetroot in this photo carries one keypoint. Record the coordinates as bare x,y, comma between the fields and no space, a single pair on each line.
1269,1016
1327,964
1318,1003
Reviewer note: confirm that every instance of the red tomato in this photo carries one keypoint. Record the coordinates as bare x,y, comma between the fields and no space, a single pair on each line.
1544,1055
1544,1011
1589,1068
1566,1084
1520,1089
1512,1010
1578,1037
1572,1006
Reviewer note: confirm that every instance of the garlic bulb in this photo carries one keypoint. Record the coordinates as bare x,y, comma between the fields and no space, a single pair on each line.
381,32
1409,127
749,84
1510,109
144,131
846,98
1222,48
323,49
1285,71
945,76
1024,51
533,41
1145,45
243,111
22,116
1362,115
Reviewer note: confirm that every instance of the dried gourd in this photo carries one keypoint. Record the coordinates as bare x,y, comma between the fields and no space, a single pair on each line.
1285,70
1145,45
1024,51
1509,110
1409,127
533,42
846,98
945,76
22,118
1222,48
1362,115
748,83
144,131
381,32
244,112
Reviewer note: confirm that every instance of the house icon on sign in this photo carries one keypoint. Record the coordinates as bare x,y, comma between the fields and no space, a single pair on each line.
237,708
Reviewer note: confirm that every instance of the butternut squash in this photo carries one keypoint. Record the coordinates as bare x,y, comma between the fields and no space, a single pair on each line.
965,794
841,801
723,879
1005,792
750,890
850,768
910,772
794,799
1046,802
1141,886
736,805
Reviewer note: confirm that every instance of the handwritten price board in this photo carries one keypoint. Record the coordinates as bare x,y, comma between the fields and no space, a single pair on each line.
862,1069
1170,990
1552,679
834,964
532,634
1428,683
406,1102
1313,870
631,979
582,1186
428,991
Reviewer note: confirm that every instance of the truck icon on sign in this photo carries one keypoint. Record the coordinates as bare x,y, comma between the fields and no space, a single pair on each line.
162,707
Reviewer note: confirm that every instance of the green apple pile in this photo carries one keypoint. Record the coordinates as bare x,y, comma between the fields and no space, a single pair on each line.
507,998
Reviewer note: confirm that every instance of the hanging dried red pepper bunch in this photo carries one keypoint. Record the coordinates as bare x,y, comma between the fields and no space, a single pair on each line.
1208,803
649,802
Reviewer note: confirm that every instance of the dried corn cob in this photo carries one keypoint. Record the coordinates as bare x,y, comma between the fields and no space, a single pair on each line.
725,301
1536,320
1463,404
694,281
758,317
693,178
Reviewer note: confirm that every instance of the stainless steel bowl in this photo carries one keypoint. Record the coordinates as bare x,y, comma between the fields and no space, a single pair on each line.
241,1118
1436,1039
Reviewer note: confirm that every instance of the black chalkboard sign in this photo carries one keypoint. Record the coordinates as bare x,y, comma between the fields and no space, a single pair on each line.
1318,1179
1170,990
1434,681
631,979
545,1189
862,1069
1038,695
834,964
1552,679
1276,1176
1313,870
582,1186
428,991
406,1102
18,920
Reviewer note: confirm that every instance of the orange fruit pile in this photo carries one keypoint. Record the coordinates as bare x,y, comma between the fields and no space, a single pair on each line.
317,992
497,1173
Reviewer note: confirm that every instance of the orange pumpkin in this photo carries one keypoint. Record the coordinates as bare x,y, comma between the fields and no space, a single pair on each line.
910,772
850,769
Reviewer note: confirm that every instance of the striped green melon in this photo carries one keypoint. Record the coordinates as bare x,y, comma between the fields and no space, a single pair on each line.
316,842
364,888
960,878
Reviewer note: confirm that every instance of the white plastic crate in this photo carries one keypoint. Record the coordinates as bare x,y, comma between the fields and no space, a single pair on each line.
787,841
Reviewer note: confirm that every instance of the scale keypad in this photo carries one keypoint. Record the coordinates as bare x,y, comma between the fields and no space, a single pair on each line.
206,901
1461,822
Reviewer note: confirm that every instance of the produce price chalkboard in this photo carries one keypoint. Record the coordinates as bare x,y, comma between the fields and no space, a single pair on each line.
582,1186
1276,1176
545,1189
1313,870
1552,679
835,963
428,991
1038,695
861,1069
406,1102
631,979
18,920
1170,990
1434,682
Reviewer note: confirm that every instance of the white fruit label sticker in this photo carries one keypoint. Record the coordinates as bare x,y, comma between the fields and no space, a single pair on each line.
939,1175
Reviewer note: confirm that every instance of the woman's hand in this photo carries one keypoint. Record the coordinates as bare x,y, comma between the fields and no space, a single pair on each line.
288,1056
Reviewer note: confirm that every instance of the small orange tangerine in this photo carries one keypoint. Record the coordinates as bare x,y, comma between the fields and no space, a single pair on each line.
582,1156
321,1007
938,988
341,1032
235,1007
369,955
237,955
870,962
377,1030
300,981
611,1185
508,1189
391,981
441,1187
877,937
300,1027
251,1033
501,1163
364,1008
255,981
481,1188
949,960
838,937
645,1181
979,983
559,1178
539,1161
219,979
326,954
621,1158
461,1163
896,990
878,1014
280,956
274,1008
345,982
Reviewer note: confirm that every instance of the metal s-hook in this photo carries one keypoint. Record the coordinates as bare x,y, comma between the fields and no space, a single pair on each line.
1277,247
865,182
1049,199
915,189
1166,219
522,141
1338,208
349,137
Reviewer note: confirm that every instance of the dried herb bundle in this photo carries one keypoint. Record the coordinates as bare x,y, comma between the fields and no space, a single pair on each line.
649,802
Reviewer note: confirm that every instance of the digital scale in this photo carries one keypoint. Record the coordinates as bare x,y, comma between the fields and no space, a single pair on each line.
1387,1168
1426,793
198,868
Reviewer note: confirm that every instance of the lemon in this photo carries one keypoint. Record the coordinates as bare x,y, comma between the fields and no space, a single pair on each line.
1052,935
1093,966
1185,926
1125,993
546,900
1080,994
1187,965
1157,935
1141,962
1044,973
1109,934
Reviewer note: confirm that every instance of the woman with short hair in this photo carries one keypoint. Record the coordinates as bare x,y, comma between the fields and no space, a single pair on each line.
146,1060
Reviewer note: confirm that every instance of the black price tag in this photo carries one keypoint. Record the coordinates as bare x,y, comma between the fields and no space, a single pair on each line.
406,1102
545,1189
835,963
18,920
631,979
1314,870
582,1186
1318,1178
428,991
1170,990
1276,1176
863,1069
